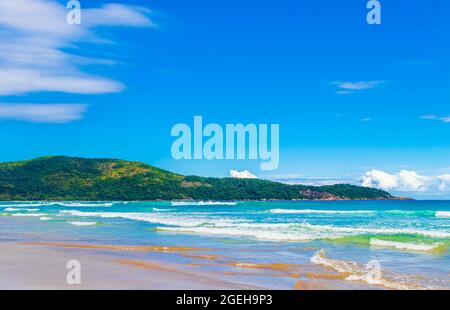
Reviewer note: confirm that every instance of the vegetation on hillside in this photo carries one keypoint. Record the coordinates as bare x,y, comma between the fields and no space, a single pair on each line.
71,178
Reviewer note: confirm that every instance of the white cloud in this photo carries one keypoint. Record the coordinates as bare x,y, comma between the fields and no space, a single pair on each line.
42,113
13,81
444,119
379,179
405,181
37,44
245,174
351,87
410,180
429,116
117,15
444,182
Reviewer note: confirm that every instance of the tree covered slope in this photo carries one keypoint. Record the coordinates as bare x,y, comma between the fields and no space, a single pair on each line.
71,178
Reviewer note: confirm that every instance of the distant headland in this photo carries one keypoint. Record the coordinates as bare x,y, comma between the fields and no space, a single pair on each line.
72,178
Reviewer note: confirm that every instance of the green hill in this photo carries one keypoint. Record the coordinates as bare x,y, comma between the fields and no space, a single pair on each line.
71,178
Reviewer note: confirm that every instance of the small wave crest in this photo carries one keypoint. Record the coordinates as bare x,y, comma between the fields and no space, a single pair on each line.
370,273
310,211
162,210
27,214
415,213
20,209
75,204
83,223
85,204
407,246
213,225
202,203
442,214
26,205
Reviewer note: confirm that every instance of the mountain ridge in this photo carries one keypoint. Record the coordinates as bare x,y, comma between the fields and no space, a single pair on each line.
74,178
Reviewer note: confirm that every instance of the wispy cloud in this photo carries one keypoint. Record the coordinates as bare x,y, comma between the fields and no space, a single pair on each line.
14,81
118,15
350,87
444,119
42,113
36,40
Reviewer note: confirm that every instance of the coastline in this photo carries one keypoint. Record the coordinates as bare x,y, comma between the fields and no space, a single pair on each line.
212,200
42,266
286,245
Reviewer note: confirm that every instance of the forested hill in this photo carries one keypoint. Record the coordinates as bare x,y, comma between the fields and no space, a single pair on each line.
71,178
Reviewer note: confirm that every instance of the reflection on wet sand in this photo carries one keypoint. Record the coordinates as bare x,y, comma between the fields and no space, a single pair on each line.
118,247
307,276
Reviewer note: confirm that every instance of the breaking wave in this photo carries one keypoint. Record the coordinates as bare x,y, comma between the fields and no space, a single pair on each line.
370,273
83,223
162,210
202,203
20,209
28,214
85,204
442,214
224,226
310,211
417,213
75,204
408,246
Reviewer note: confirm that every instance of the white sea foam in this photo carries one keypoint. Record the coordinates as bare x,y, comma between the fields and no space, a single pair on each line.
442,214
349,230
28,214
74,204
85,204
268,235
20,209
320,258
213,225
408,246
25,205
45,218
360,273
308,211
82,223
263,231
163,210
202,203
294,232
157,218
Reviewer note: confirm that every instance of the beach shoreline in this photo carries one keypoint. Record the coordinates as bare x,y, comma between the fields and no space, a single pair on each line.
289,245
25,266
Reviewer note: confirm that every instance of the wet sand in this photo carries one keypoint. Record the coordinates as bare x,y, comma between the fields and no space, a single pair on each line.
37,265
43,266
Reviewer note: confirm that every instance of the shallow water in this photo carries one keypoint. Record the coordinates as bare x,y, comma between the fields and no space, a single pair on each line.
280,243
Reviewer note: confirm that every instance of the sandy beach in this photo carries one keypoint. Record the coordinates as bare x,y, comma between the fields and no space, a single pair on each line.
271,245
27,266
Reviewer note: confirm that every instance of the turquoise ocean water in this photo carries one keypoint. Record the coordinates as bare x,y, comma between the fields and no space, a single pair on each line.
409,240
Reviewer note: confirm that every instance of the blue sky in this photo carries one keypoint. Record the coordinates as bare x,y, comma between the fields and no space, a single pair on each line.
353,100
